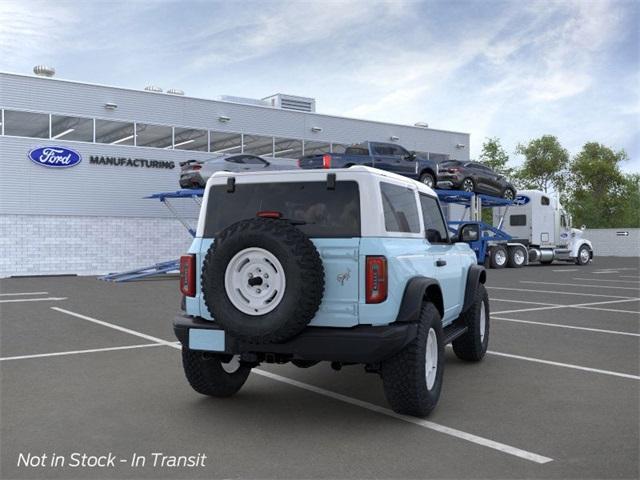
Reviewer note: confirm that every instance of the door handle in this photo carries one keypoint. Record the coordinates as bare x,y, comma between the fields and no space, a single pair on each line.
440,263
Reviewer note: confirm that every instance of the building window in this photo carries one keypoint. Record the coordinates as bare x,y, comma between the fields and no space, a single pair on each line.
316,148
258,145
400,208
225,142
26,124
114,133
71,128
157,136
287,148
190,139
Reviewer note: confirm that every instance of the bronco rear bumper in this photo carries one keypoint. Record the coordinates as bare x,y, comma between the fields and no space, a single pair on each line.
361,344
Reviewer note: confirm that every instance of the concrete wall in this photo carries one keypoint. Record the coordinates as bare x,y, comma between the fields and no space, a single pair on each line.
606,242
41,245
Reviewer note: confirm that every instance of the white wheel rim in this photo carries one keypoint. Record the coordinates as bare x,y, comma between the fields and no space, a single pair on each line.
584,255
255,281
431,358
483,322
233,365
428,181
467,186
518,257
500,257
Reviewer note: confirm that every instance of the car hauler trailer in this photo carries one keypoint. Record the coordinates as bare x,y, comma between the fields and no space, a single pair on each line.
532,228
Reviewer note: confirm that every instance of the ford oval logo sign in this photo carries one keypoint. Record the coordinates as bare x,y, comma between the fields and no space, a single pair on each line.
55,157
521,200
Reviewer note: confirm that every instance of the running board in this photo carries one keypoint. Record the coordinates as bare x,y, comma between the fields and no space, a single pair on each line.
451,332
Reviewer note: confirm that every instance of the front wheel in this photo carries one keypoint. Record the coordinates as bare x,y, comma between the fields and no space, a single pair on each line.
428,179
584,255
212,374
509,194
472,346
412,378
468,185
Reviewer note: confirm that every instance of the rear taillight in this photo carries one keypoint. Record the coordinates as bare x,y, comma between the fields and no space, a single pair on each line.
269,214
376,279
188,275
453,170
299,163
326,161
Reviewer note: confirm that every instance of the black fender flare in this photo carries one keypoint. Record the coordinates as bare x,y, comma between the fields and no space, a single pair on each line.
476,275
416,290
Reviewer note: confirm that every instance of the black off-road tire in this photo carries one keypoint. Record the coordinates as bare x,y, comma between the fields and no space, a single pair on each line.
207,376
512,262
404,376
428,179
495,256
472,346
304,280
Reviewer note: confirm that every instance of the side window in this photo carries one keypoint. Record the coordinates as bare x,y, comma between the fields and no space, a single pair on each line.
518,220
400,209
399,151
434,226
251,160
236,159
544,201
563,221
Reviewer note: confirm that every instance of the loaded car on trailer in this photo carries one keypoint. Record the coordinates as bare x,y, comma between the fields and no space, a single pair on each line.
351,266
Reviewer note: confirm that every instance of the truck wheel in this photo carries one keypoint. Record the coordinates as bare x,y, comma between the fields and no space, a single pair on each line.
584,255
473,345
412,378
262,280
208,375
517,257
428,180
499,257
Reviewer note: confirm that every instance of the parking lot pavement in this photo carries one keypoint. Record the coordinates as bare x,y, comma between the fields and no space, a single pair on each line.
547,402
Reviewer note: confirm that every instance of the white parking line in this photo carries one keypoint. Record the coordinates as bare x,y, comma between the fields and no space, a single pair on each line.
566,365
572,327
75,352
567,270
630,276
115,327
19,300
533,457
523,301
22,293
581,285
606,280
588,306
485,442
528,290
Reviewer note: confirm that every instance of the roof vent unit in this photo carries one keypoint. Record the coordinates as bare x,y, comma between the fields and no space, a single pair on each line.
153,88
243,100
44,71
175,91
292,102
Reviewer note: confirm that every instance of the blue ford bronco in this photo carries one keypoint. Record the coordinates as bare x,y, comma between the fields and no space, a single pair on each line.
351,266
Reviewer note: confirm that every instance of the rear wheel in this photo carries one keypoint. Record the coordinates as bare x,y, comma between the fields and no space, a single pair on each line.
428,179
212,374
473,345
412,378
508,194
517,257
468,185
498,257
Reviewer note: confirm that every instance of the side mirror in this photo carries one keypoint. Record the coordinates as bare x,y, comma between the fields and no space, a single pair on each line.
469,233
411,156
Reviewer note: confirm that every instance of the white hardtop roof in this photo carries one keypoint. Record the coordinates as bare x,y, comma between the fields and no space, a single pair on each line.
219,178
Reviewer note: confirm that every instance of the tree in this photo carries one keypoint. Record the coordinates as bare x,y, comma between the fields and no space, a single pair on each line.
544,165
495,157
600,195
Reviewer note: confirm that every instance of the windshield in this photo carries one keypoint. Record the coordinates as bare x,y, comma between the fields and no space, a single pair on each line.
311,206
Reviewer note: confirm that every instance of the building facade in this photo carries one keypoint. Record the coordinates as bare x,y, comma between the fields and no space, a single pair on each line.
87,214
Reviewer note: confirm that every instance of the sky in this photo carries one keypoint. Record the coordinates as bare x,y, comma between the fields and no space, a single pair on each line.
515,70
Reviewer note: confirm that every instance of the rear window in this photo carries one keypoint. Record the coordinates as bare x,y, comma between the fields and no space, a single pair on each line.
400,209
320,211
450,163
357,150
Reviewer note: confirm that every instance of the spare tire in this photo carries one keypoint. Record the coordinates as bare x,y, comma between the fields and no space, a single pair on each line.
262,280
